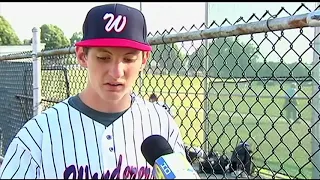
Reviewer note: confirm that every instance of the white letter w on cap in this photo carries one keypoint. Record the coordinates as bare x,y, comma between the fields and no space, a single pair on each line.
115,23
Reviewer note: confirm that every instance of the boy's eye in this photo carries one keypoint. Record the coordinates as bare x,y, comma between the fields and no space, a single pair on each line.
102,58
129,60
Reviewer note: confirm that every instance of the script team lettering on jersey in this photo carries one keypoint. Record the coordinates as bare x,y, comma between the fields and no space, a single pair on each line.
63,142
130,172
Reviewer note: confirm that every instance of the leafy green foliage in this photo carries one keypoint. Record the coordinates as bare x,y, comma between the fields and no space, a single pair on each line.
7,34
53,36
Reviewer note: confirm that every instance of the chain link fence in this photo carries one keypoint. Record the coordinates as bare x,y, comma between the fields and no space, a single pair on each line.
15,97
226,83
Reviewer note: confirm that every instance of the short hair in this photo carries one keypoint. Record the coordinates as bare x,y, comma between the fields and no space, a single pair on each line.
153,96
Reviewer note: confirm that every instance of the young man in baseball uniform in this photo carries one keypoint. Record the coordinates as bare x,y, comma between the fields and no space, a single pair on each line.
97,133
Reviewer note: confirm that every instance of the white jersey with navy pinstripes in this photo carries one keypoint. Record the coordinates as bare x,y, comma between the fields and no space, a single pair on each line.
62,142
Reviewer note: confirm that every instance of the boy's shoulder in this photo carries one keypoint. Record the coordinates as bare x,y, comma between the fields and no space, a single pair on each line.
55,111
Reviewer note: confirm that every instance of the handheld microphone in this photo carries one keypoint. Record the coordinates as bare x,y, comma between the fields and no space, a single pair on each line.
166,164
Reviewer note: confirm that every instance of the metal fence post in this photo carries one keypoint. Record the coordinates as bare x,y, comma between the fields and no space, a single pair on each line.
206,91
315,118
141,77
36,71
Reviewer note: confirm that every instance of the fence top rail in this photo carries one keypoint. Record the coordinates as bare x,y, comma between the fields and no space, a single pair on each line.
311,19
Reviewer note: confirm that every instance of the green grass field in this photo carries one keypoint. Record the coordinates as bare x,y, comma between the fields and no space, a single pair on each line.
274,141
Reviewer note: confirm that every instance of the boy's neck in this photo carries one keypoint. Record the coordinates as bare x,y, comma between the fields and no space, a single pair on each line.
94,101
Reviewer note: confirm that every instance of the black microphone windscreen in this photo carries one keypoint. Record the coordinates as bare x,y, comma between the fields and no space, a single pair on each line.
154,147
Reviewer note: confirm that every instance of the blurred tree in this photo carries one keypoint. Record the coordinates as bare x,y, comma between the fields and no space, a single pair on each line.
53,36
76,37
27,41
167,57
7,34
228,57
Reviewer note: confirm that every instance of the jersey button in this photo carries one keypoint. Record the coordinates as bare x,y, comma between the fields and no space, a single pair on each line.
111,149
109,137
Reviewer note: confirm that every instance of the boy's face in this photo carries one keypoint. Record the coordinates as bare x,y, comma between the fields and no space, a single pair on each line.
112,71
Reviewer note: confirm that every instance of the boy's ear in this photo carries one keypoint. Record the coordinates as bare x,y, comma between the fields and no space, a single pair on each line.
145,57
81,57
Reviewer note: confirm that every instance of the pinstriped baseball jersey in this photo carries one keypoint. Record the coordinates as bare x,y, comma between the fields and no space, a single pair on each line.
63,142
166,107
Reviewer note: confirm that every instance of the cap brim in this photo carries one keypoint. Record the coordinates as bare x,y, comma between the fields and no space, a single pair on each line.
114,42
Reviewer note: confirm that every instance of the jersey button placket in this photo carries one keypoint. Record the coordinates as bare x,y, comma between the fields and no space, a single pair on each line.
109,137
108,149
